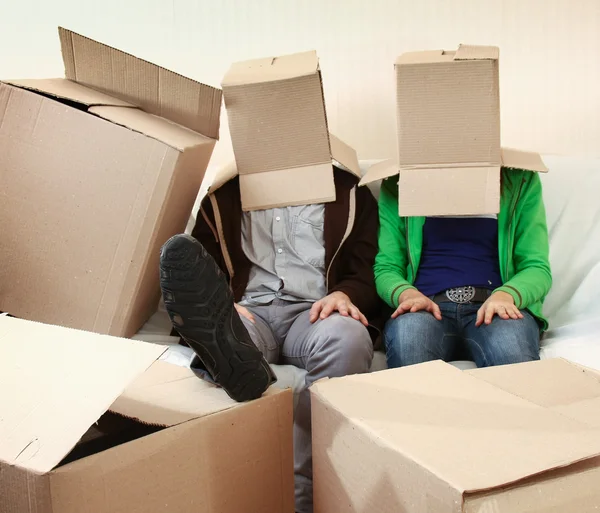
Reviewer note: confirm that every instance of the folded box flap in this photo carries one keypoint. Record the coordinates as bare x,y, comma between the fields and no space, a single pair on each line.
270,69
526,160
64,89
553,383
380,171
172,134
471,434
152,88
167,394
344,155
288,187
55,383
424,57
476,52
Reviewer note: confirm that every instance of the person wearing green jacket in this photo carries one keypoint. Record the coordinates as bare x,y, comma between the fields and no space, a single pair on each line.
465,287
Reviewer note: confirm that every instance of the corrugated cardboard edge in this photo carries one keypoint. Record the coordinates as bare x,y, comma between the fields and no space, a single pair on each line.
172,134
62,88
210,96
525,160
379,171
271,69
344,156
476,52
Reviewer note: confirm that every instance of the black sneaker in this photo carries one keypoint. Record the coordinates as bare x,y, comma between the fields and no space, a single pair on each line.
201,307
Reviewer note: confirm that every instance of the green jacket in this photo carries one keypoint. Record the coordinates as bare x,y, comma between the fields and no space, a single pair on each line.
522,243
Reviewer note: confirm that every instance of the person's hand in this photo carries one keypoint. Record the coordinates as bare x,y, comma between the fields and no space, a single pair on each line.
411,300
500,304
336,302
244,312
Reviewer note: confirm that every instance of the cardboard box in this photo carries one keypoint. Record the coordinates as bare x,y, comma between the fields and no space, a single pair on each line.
171,442
97,171
448,115
278,124
430,438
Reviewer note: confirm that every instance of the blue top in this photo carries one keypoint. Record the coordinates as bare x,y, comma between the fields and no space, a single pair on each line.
458,252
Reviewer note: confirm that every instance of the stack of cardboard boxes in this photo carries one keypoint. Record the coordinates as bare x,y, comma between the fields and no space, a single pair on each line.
97,171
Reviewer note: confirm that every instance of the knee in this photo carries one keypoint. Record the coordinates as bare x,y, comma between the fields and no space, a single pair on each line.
348,342
410,329
412,338
513,341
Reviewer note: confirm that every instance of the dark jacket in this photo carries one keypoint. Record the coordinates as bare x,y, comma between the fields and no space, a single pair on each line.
350,231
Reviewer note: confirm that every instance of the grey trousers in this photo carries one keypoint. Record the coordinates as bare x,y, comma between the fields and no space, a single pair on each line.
333,347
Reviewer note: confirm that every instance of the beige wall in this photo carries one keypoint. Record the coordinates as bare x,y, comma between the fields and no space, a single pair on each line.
550,53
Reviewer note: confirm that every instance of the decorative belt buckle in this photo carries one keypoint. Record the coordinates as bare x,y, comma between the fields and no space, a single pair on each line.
461,295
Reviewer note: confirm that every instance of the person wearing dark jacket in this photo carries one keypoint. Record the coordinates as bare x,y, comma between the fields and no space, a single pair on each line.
291,285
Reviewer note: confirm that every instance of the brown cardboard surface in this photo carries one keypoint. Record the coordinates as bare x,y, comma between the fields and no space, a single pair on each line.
430,192
68,90
220,447
344,156
239,459
278,125
289,187
87,205
154,89
176,136
448,125
449,434
54,383
519,159
448,113
270,69
167,395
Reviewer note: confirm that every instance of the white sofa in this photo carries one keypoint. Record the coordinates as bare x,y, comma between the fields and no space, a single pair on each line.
572,198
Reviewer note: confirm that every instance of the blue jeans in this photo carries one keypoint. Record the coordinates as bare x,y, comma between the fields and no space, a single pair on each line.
419,337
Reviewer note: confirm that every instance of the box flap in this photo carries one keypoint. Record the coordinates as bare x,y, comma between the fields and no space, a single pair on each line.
155,127
496,437
270,69
289,187
452,191
473,53
223,175
526,160
379,171
552,383
424,57
55,383
167,395
344,156
68,90
154,89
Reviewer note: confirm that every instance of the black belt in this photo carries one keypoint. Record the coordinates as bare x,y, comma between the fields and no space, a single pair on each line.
462,295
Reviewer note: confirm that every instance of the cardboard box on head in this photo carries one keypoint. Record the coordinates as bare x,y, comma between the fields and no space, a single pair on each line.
448,121
278,124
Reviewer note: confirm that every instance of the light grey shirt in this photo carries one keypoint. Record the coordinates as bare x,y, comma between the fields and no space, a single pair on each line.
286,247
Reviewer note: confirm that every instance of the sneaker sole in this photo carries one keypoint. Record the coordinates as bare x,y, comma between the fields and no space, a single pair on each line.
201,307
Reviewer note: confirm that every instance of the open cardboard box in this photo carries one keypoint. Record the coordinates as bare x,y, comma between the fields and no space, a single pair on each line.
278,124
448,117
430,438
97,170
93,423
